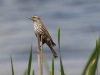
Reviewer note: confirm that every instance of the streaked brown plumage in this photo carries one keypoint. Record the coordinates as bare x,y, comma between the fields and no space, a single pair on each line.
42,31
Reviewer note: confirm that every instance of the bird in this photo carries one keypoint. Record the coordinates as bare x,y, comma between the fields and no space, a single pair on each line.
41,30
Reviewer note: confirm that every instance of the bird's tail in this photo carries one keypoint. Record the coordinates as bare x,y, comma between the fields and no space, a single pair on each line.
53,51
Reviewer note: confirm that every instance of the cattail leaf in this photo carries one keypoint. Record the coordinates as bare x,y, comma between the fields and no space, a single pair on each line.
52,66
91,65
59,37
61,65
12,65
30,61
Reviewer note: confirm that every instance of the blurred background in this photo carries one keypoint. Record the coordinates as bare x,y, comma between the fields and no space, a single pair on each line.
79,21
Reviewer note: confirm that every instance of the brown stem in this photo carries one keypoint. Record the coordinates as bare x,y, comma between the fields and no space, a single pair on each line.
39,56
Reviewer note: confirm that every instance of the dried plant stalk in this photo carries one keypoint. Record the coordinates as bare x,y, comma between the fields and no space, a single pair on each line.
39,56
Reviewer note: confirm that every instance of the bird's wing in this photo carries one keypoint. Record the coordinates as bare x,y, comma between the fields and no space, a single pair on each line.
46,31
48,35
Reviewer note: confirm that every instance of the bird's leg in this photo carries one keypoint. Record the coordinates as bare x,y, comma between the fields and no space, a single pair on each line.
42,43
42,40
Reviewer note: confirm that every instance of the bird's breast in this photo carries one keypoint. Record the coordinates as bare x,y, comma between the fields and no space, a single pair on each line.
37,27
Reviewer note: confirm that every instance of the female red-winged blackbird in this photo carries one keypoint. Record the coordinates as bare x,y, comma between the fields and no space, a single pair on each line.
42,31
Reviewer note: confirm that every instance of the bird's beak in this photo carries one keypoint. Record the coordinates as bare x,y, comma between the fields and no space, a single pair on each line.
30,18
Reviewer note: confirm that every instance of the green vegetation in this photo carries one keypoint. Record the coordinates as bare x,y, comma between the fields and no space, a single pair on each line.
12,66
92,63
90,68
30,61
61,65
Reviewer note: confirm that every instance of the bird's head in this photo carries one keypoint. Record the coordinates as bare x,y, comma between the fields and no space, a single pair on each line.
34,18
